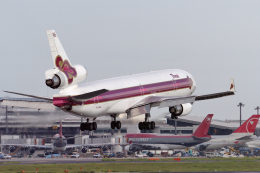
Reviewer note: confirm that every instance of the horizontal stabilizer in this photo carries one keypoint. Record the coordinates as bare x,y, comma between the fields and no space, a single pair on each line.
29,104
38,97
245,138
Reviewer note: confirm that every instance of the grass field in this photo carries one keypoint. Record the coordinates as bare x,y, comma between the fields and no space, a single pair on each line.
236,164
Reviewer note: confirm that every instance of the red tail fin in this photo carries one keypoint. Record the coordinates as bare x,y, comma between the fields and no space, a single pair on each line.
203,128
248,126
60,131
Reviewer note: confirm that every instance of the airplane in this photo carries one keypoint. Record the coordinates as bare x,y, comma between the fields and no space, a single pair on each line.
59,144
154,141
239,137
133,95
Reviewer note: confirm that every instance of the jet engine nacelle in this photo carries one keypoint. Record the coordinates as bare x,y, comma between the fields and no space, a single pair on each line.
31,150
12,149
84,150
65,77
201,147
181,110
130,148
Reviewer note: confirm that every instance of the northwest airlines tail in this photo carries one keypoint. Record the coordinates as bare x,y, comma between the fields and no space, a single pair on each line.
249,126
203,128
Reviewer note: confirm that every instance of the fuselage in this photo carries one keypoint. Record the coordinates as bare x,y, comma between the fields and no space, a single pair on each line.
59,143
126,91
163,142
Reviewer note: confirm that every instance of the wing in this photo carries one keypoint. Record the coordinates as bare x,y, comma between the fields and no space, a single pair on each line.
88,145
145,105
29,104
26,145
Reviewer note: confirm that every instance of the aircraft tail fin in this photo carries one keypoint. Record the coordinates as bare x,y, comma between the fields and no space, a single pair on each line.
60,130
249,125
203,128
56,46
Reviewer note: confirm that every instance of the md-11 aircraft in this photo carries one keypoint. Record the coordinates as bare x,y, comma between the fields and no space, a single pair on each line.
238,138
145,141
134,94
59,144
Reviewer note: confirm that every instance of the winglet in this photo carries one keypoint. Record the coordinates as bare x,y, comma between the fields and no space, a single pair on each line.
203,128
232,85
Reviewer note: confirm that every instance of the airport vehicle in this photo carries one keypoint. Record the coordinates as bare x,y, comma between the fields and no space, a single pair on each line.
59,144
6,156
134,94
212,155
74,156
238,138
97,155
145,141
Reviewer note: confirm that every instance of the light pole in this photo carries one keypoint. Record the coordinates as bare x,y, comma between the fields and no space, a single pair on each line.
240,105
257,108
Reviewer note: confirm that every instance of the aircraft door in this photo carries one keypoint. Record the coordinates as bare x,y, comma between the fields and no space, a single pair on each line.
141,89
96,100
174,84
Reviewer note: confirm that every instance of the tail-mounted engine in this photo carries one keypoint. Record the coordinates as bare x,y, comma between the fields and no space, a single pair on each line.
64,75
179,110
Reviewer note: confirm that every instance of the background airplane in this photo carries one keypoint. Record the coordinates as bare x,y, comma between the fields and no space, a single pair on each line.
134,94
145,141
59,144
238,138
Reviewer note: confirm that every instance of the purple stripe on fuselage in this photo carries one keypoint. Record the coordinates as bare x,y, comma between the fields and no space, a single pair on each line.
134,91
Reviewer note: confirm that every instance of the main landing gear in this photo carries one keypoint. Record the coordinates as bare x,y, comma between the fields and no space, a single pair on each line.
146,125
88,126
115,124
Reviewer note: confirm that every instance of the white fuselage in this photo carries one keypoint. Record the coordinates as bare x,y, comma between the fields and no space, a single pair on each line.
119,87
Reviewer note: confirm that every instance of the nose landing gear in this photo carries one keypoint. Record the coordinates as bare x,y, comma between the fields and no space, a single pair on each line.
146,124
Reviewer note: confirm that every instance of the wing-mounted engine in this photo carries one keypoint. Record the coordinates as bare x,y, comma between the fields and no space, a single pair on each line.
84,149
65,75
31,150
12,149
179,110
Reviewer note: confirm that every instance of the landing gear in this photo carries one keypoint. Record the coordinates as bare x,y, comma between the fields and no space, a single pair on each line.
115,124
88,126
146,125
174,116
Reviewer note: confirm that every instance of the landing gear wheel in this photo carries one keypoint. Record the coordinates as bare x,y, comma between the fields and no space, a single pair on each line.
173,116
94,124
118,125
82,126
113,124
140,126
148,126
152,125
89,126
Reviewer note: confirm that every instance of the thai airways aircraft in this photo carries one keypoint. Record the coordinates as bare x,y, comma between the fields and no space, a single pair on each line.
59,144
134,94
146,141
239,137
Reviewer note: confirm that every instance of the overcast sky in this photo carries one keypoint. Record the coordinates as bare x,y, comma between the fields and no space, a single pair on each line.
212,40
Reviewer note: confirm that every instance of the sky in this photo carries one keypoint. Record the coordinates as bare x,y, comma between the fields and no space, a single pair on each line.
212,40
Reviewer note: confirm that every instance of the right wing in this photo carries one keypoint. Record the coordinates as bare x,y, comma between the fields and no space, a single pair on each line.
145,105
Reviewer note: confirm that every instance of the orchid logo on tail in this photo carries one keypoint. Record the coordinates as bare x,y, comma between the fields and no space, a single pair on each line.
66,68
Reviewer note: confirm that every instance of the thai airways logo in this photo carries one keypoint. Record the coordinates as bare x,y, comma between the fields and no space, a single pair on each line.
208,120
66,68
175,76
54,34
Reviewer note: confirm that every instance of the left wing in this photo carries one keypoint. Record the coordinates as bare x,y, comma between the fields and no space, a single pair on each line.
145,105
26,145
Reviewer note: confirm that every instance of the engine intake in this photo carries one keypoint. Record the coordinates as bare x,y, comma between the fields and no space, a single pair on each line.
12,149
54,82
31,150
176,110
84,150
